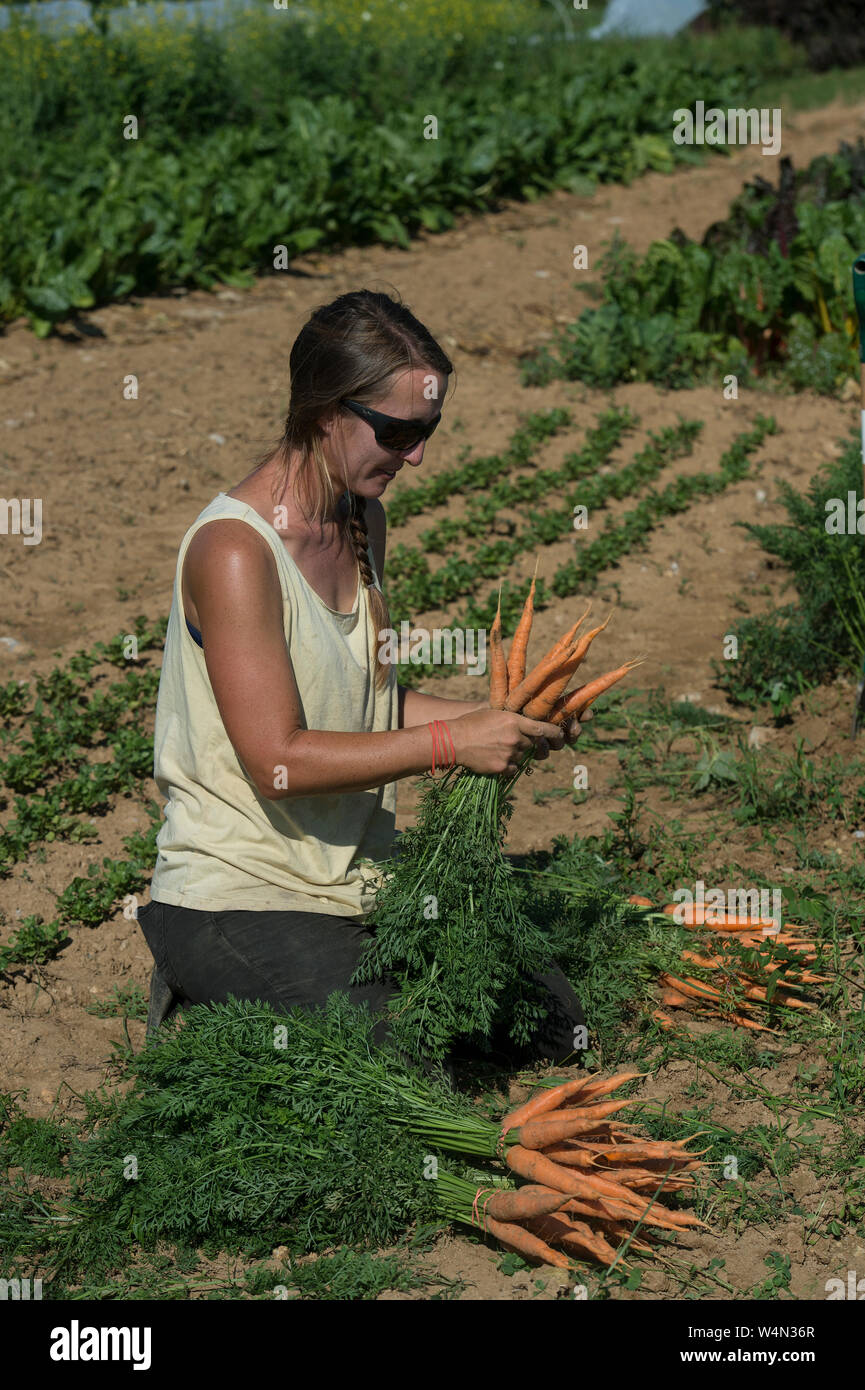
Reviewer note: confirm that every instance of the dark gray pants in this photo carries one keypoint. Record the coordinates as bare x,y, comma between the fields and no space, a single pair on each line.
295,960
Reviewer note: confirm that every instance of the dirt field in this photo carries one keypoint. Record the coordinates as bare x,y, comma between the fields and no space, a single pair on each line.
122,480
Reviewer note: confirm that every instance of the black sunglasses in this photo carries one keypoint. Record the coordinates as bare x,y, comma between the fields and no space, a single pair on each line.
390,431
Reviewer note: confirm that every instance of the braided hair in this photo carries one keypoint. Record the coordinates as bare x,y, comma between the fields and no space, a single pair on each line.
353,347
359,537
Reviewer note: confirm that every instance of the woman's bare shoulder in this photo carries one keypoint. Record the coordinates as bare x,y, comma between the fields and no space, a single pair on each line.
229,544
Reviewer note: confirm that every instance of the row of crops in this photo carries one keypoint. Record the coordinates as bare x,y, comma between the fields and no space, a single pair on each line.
154,158
800,643
765,293
234,170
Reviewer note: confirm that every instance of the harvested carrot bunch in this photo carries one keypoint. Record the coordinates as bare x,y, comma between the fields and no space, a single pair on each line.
467,970
739,969
542,693
589,1182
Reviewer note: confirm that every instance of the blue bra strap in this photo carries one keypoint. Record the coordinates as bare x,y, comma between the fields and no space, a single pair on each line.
195,634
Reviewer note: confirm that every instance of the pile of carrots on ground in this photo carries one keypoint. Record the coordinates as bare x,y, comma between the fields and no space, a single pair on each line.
743,985
590,1182
542,693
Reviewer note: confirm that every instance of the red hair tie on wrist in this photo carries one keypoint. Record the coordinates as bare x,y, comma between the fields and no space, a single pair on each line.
440,731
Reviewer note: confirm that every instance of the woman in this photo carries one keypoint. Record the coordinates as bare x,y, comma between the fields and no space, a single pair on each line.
280,735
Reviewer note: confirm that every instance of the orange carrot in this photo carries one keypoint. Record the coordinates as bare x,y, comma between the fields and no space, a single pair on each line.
640,902
672,998
760,993
552,1129
547,1099
596,1111
742,1022
676,1217
519,646
564,644
621,1231
595,1207
664,1019
598,1186
596,1087
539,1169
571,1158
574,1235
547,697
535,681
707,962
768,939
634,1210
543,704
560,648
582,646
653,1182
739,1019
638,1177
525,1243
498,665
521,1202
693,989
656,1149
585,695
533,1165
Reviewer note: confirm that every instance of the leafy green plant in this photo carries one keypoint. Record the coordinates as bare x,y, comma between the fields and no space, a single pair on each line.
230,160
416,588
37,1145
355,1275
766,291
49,772
803,643
249,1119
34,943
87,901
124,1001
716,767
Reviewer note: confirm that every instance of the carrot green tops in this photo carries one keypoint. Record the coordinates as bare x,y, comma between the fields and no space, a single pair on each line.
222,846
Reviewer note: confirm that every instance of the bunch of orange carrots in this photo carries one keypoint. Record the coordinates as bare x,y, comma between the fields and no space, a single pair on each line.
590,1181
542,693
744,982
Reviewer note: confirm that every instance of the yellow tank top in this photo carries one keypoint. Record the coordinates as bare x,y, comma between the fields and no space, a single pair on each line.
222,846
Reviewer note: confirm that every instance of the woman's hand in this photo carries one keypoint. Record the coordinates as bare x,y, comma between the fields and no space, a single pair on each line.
494,740
570,729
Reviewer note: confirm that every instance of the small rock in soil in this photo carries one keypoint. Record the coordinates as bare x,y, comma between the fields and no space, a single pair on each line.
758,736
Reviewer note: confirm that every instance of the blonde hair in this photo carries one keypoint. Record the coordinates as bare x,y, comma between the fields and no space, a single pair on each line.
352,347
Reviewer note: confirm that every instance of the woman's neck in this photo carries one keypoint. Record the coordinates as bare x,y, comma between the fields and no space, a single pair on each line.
295,501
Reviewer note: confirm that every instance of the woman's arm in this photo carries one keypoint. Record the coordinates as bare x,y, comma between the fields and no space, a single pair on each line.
415,707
